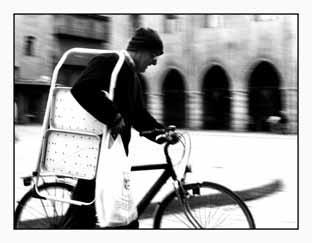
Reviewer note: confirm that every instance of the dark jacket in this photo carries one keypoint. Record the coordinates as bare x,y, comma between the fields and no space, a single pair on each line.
128,101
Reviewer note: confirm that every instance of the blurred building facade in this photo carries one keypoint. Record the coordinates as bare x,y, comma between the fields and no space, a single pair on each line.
219,72
40,41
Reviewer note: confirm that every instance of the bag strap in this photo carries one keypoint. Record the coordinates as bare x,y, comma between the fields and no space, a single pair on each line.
114,75
111,92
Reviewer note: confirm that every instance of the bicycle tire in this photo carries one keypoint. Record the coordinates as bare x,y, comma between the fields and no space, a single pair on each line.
213,205
34,212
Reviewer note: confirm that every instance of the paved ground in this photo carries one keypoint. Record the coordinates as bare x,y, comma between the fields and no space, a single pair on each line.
263,165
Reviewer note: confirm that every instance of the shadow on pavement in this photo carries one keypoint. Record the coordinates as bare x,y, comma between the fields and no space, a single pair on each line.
245,195
261,191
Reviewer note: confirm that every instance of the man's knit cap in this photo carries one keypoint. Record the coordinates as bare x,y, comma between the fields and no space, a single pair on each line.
146,39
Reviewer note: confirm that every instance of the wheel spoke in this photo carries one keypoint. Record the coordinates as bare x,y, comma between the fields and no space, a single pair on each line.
179,218
45,210
212,206
34,212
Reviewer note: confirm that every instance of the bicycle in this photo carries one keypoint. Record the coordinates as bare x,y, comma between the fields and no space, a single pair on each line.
70,149
195,205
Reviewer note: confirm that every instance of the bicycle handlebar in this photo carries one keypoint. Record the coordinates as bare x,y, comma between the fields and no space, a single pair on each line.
169,137
155,131
163,135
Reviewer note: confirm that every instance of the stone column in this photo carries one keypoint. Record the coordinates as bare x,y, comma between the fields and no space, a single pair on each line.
290,108
194,109
239,112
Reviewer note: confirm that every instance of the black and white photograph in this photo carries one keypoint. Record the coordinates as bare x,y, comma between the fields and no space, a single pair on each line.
148,123
202,108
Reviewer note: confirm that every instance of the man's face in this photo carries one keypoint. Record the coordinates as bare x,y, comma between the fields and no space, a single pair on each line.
145,59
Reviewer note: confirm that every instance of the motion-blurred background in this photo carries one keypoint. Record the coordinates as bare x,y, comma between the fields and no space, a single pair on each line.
219,72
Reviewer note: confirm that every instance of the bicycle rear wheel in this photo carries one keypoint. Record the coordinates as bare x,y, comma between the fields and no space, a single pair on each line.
34,212
211,204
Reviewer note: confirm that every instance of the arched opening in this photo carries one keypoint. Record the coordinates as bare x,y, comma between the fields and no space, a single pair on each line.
174,99
216,99
264,96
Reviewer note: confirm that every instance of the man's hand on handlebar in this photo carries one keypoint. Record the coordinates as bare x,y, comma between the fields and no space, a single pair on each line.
171,138
165,135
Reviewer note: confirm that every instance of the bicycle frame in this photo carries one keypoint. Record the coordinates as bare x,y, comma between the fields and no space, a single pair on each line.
162,179
147,198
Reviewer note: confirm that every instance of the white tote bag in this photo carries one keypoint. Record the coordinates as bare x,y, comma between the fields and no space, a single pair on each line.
113,199
114,202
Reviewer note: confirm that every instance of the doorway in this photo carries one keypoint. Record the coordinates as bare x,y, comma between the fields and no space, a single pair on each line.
264,96
216,99
174,99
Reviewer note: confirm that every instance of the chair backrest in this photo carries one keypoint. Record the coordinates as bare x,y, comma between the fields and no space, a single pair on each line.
72,143
71,154
68,114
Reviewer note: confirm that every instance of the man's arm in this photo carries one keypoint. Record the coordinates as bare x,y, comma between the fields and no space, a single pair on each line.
143,120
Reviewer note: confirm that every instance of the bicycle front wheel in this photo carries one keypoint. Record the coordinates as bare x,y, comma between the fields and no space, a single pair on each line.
212,205
34,212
